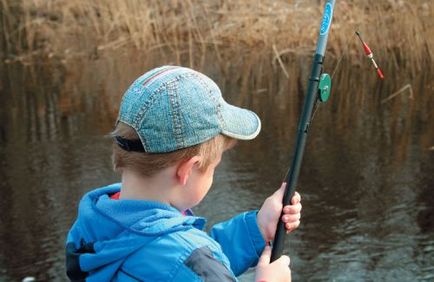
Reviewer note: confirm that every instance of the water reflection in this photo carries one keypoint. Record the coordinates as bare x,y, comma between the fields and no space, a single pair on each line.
366,178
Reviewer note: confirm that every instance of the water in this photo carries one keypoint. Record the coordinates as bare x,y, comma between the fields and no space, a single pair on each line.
366,180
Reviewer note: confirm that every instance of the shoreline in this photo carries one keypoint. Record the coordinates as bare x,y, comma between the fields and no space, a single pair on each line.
69,29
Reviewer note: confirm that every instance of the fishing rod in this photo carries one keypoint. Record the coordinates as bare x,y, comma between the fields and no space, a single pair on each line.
318,88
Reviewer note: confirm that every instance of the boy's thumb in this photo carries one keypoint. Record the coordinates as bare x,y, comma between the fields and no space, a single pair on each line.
265,257
284,260
281,191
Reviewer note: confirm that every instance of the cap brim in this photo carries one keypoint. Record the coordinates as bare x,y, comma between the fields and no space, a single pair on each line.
240,123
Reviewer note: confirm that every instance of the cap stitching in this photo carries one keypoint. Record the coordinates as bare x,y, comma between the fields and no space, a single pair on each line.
141,87
173,89
148,104
157,74
218,105
153,96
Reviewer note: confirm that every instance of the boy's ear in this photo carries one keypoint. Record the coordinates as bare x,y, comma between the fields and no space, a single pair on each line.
185,169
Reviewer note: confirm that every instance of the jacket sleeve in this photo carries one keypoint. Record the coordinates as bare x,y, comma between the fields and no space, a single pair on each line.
240,240
201,265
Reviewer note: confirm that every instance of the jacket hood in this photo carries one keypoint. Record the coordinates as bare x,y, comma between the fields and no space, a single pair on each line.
107,231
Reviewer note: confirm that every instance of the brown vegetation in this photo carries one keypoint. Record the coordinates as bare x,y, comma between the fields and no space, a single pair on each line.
65,28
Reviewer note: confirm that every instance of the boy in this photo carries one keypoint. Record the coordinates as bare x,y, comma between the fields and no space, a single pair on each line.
172,129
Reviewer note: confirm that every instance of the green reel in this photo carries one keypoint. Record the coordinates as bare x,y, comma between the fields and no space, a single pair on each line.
324,87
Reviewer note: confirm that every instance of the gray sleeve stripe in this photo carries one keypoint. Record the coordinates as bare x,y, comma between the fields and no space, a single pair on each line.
207,267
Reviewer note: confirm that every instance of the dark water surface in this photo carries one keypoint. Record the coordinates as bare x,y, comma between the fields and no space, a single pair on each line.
367,179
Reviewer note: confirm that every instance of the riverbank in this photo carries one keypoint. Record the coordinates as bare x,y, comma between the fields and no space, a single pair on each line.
402,31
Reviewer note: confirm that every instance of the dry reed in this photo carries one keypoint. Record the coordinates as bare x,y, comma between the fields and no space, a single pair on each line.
400,91
403,30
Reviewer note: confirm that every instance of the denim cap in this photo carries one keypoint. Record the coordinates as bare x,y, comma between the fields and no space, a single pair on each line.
173,107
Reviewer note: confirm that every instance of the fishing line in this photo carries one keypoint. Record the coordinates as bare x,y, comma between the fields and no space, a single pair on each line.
337,65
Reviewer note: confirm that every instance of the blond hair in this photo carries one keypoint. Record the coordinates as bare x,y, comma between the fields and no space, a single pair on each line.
147,164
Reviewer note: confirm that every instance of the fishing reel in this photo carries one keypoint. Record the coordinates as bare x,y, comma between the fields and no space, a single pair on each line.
324,87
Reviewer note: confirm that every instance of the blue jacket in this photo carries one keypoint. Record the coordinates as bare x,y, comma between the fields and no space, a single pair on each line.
133,240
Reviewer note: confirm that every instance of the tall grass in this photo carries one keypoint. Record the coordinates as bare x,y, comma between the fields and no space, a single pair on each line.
404,30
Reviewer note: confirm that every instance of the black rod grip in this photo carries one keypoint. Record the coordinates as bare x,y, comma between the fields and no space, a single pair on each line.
293,172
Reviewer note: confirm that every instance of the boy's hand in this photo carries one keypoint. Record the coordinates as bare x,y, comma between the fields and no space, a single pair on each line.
277,271
268,215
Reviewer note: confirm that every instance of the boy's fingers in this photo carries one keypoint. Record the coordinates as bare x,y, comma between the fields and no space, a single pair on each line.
292,225
292,209
291,218
296,198
265,257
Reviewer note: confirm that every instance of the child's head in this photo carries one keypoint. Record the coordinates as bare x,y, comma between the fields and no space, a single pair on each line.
172,114
147,164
